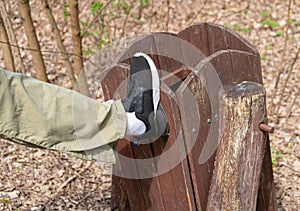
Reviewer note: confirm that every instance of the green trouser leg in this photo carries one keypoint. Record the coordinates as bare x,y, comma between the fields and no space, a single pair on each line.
38,114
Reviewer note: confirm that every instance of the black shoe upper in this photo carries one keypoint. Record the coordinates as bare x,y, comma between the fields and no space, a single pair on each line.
139,98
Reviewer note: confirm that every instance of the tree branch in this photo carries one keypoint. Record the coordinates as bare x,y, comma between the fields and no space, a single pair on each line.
60,42
7,55
10,31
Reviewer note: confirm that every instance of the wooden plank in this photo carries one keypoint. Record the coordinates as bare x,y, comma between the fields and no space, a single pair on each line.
239,158
176,184
216,38
193,102
169,55
132,187
197,36
245,67
213,71
112,89
236,42
114,82
151,190
220,63
266,199
176,76
151,186
166,183
175,193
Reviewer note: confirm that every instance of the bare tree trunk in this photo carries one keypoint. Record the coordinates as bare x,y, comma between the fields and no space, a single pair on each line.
32,40
7,55
12,37
60,42
77,43
74,13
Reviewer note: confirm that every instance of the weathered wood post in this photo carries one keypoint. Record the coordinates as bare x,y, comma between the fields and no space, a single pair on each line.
239,158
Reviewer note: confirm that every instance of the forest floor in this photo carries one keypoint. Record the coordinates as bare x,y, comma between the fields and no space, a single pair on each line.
33,179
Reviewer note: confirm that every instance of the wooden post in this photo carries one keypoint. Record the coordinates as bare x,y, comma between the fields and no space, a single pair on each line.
240,154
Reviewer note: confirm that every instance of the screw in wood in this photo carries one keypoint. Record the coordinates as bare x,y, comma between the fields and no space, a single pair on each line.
266,128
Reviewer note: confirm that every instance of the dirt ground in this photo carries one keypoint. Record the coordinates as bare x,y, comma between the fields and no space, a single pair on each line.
33,179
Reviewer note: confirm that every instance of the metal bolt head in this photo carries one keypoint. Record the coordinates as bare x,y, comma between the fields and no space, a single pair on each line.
209,121
194,130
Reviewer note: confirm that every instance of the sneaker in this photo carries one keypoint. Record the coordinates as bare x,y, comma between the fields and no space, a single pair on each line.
143,98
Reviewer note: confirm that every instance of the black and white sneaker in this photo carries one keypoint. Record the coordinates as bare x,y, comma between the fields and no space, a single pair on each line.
143,98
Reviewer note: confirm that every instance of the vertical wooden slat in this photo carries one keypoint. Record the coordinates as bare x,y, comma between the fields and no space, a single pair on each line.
197,36
194,114
237,42
176,184
266,199
150,186
216,38
179,194
244,67
111,81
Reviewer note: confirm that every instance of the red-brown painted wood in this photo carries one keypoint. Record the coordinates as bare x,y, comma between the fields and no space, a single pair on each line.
207,49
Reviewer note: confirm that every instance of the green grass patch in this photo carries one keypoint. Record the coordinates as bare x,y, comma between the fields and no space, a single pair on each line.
293,38
5,201
276,155
279,33
263,57
270,22
291,22
265,14
246,30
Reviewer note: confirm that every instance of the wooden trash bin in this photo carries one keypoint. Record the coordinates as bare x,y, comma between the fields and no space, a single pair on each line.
192,168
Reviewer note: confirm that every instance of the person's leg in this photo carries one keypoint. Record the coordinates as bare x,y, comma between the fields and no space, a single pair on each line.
39,114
